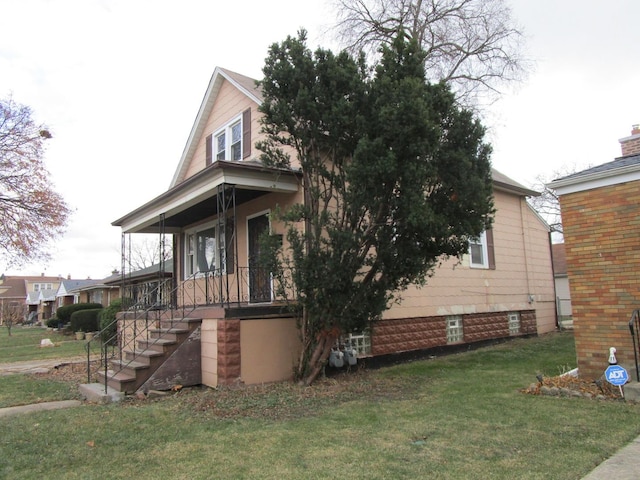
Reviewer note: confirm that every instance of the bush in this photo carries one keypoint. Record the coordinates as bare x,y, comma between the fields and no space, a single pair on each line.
108,324
53,322
64,313
85,320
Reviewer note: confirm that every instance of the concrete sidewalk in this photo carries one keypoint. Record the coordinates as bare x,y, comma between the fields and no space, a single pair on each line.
38,407
623,465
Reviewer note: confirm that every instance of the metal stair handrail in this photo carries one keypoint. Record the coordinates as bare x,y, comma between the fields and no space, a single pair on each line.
166,302
634,327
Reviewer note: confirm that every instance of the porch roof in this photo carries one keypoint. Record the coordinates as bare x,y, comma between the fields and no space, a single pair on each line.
195,198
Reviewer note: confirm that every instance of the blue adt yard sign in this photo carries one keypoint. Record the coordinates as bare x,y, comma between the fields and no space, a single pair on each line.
616,375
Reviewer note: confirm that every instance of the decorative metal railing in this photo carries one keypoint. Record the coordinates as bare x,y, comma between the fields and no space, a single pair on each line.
169,304
634,327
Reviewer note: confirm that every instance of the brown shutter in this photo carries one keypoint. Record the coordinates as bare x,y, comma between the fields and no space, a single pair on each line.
209,149
246,133
490,250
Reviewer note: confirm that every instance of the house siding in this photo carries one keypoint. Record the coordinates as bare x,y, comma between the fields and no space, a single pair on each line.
521,281
603,253
229,105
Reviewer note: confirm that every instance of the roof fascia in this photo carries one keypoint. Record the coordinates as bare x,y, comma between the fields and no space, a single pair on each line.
200,187
591,181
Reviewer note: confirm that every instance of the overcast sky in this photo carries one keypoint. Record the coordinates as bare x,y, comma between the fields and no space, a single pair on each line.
119,83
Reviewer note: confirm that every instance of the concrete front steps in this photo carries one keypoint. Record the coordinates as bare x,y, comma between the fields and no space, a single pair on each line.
130,374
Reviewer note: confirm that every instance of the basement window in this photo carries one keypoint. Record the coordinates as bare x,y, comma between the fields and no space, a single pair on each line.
514,323
455,332
361,342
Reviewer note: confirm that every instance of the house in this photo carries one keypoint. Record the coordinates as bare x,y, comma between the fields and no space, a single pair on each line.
36,292
96,291
219,203
67,291
561,279
13,292
600,216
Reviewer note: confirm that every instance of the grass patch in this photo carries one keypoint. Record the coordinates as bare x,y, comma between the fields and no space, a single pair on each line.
26,389
454,417
24,345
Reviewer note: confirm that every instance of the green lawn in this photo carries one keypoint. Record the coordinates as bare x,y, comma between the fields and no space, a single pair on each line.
24,344
454,417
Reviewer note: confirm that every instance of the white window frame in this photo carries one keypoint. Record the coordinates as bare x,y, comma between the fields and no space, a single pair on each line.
229,145
455,329
514,323
191,250
479,242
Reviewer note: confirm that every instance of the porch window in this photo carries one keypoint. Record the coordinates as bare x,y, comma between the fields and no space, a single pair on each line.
209,250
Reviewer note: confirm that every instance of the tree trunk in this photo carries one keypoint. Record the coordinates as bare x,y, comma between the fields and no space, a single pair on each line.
319,357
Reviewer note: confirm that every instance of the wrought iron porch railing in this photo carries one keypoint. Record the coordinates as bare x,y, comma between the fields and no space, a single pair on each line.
169,304
634,327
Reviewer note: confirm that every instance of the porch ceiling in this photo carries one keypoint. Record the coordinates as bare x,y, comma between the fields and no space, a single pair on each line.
196,197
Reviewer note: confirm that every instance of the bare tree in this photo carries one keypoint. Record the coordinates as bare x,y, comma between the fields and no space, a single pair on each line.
147,251
12,314
473,45
548,203
31,212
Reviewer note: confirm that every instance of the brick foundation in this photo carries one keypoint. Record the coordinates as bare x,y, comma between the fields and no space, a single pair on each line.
228,351
402,335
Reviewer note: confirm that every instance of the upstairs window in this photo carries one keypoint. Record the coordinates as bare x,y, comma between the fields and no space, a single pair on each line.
481,253
232,142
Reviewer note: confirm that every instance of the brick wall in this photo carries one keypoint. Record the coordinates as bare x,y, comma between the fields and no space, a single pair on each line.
228,351
402,335
603,257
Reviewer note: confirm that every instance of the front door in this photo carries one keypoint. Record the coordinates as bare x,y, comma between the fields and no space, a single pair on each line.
259,277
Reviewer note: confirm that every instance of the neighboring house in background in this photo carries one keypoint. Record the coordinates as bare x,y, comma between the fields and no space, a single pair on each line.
563,293
39,295
13,291
601,216
65,295
219,203
96,291
146,287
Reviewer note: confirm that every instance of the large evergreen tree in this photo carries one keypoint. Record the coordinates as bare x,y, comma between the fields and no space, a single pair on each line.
396,178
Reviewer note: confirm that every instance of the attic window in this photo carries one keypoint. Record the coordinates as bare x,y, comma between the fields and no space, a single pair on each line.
232,141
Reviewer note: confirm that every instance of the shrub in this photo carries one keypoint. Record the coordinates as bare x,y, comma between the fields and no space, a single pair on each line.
64,313
53,322
85,320
108,324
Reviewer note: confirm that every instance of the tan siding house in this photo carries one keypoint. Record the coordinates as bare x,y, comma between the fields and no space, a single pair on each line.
219,202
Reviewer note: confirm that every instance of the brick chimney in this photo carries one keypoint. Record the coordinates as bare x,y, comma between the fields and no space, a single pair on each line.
631,145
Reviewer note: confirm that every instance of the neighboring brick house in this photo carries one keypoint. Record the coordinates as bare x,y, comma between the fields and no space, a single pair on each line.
601,217
219,204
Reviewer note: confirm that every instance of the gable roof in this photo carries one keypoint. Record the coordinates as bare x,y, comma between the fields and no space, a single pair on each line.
620,170
67,285
506,184
13,287
243,83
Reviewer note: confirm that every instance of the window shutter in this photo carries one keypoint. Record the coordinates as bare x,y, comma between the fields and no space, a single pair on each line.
246,133
209,149
490,250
